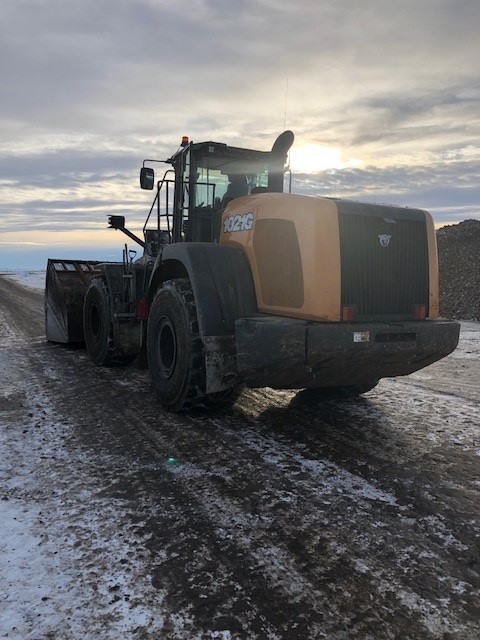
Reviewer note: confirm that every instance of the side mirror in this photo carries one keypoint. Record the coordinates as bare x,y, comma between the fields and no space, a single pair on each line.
147,178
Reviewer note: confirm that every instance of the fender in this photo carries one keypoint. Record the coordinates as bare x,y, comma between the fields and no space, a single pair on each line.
221,280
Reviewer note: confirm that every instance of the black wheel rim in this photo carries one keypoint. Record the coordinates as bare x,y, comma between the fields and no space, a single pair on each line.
166,347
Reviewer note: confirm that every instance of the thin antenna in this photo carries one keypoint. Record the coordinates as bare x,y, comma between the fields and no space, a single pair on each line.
286,100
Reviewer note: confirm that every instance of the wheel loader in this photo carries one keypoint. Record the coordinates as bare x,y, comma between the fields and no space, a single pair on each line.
243,283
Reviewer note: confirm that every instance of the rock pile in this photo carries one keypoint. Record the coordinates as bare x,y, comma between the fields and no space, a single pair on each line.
459,263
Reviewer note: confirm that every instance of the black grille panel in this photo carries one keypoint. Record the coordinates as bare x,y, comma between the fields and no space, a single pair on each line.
384,260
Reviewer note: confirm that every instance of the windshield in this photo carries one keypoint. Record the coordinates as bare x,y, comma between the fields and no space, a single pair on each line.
234,179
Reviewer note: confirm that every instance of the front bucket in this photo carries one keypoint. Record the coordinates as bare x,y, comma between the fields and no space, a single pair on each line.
65,287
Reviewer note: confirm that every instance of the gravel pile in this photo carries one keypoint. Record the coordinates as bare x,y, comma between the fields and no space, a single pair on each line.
459,262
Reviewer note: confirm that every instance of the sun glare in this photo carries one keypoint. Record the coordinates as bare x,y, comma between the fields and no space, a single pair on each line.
310,158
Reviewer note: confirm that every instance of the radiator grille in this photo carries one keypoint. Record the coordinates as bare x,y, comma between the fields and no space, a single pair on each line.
384,260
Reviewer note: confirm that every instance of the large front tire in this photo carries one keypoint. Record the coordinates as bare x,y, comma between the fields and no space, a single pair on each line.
174,348
97,327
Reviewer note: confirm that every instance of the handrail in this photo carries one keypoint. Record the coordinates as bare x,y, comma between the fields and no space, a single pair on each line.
160,184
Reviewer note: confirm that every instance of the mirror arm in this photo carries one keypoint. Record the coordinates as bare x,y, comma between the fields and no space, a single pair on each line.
118,222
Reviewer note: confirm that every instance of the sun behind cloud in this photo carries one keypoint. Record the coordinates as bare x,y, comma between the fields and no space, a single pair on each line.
310,158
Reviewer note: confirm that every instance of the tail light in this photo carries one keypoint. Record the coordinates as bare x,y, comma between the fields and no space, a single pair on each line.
348,313
141,309
420,312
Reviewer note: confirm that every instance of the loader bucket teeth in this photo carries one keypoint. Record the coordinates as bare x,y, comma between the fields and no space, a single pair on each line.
65,287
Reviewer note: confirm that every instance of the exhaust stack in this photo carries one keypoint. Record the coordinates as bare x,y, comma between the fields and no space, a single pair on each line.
278,158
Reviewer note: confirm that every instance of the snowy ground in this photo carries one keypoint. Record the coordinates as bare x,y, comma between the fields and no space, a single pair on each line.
54,526
273,519
32,279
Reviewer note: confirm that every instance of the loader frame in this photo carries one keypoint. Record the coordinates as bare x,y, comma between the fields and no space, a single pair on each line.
189,307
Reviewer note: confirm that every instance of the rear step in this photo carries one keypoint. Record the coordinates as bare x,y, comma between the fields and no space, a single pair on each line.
65,287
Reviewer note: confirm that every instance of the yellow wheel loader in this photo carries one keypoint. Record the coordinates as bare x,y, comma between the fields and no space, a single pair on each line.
243,284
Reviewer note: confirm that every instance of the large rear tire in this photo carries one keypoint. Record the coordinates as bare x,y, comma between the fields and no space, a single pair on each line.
97,327
174,348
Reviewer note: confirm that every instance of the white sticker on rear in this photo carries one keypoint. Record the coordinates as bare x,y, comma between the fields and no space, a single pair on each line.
361,336
238,223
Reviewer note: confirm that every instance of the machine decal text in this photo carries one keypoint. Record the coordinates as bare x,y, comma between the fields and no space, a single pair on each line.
238,223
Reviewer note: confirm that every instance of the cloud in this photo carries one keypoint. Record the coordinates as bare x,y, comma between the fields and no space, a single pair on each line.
436,117
449,190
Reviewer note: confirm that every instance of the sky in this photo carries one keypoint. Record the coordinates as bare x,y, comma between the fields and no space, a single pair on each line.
383,97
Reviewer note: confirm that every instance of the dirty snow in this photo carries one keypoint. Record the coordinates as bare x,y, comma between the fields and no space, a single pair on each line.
54,527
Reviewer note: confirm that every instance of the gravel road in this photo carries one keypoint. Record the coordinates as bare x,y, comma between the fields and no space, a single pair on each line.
275,518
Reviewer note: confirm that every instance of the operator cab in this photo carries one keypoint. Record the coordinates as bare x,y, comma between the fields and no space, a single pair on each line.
208,176
205,177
